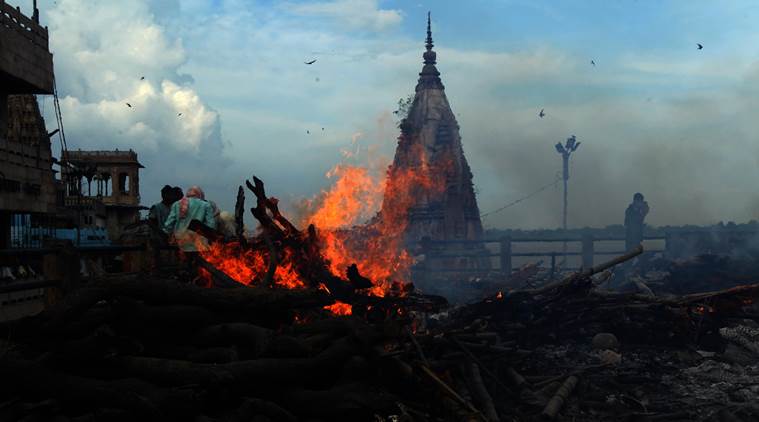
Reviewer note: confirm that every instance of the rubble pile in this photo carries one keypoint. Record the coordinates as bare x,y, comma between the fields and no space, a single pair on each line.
706,272
604,356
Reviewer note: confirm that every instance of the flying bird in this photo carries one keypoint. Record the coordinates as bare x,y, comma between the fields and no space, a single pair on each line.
142,78
308,132
593,63
129,105
311,62
700,47
179,115
322,128
541,114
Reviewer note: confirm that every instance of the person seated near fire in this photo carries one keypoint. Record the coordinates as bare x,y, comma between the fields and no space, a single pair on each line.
178,193
634,221
160,211
192,207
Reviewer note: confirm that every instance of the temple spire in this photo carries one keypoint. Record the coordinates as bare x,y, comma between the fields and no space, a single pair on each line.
429,55
429,44
429,77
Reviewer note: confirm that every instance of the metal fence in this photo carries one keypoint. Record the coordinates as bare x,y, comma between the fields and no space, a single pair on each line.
502,251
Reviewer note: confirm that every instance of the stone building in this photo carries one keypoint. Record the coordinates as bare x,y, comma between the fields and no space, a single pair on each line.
444,208
27,181
104,188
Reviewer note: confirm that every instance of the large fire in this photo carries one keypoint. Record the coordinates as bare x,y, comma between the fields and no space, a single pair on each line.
250,266
382,203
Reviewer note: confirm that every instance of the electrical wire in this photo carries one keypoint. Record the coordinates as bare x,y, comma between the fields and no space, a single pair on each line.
528,196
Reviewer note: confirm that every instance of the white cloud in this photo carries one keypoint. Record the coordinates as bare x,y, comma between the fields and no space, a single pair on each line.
110,54
357,14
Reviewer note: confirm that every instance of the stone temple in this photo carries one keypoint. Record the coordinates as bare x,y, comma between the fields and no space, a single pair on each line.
444,212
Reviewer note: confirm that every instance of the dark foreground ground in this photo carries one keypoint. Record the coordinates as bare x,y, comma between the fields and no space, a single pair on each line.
159,348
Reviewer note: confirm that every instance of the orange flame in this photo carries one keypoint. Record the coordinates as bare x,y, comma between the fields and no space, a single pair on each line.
340,308
354,196
377,248
249,266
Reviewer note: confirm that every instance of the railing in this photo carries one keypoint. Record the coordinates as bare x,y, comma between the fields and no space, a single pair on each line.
506,254
61,264
13,19
78,154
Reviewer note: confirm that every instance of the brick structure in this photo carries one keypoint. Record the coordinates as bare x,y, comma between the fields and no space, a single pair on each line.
27,183
104,186
430,139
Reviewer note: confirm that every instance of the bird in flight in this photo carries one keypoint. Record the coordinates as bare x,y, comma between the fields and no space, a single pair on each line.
311,62
700,47
142,78
541,114
593,63
129,105
308,132
179,115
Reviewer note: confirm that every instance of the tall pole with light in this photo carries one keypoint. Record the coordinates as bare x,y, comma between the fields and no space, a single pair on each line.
566,151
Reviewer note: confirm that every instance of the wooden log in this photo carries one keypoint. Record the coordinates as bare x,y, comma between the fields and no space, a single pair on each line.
445,388
477,361
164,321
355,401
560,398
90,349
261,304
252,338
284,346
209,233
273,259
239,217
220,278
253,407
214,355
479,391
267,371
136,396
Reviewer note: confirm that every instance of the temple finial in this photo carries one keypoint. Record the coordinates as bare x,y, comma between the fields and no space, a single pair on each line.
429,44
429,77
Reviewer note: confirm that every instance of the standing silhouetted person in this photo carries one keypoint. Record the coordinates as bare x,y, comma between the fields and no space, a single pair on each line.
634,217
160,211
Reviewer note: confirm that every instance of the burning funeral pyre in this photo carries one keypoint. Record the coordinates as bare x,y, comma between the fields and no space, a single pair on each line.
321,322
289,339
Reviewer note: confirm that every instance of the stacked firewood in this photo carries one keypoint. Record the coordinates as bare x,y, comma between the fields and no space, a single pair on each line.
153,349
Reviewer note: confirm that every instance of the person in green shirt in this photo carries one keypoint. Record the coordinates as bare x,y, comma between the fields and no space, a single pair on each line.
192,207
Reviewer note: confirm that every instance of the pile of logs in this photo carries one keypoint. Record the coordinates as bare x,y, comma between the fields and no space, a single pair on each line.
151,349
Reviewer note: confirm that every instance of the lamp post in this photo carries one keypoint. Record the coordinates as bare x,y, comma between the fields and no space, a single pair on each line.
566,150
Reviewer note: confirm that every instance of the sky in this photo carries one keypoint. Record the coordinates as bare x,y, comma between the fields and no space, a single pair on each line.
654,115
